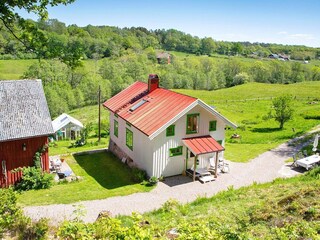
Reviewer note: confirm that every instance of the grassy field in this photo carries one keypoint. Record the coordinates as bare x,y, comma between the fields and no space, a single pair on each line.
14,69
259,134
103,176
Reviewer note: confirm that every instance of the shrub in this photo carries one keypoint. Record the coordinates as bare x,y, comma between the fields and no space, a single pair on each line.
153,181
9,211
33,178
139,175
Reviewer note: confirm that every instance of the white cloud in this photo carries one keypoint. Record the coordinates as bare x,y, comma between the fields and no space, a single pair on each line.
282,33
302,36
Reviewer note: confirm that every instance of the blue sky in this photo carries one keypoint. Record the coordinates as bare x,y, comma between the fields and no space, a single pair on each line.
272,21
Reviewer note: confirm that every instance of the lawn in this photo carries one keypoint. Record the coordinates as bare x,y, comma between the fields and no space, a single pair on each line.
259,134
63,146
103,176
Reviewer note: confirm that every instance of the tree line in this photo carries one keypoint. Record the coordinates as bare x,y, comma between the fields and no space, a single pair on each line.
68,88
53,39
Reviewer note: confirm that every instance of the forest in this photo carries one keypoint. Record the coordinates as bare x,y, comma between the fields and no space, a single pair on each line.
73,61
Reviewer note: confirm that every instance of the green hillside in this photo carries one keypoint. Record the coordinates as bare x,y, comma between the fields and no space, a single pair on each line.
248,105
14,69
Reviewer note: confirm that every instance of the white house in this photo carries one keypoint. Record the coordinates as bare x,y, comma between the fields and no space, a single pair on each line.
164,132
66,126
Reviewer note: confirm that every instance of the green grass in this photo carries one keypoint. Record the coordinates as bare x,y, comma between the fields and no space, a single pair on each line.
14,69
257,133
103,176
63,146
286,207
89,114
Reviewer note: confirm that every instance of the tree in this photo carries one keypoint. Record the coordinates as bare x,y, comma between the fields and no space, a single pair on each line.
283,109
10,18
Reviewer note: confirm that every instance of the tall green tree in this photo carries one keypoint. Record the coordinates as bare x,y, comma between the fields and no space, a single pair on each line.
283,109
27,33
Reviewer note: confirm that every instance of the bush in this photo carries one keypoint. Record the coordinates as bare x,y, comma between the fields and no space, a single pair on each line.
9,211
139,175
153,181
33,178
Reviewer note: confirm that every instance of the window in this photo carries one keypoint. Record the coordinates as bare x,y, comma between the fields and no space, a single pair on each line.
175,151
170,131
129,139
192,123
219,141
212,125
116,115
128,124
137,105
115,128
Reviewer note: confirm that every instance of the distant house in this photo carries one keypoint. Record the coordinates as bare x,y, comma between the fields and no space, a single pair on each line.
163,57
66,126
164,132
25,124
282,57
273,56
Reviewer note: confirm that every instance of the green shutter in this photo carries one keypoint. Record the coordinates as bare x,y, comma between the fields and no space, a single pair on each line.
220,142
129,139
170,131
213,125
115,128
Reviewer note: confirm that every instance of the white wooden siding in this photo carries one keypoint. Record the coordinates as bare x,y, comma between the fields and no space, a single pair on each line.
141,153
165,165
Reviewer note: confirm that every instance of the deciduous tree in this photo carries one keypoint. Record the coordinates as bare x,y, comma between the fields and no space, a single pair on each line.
283,109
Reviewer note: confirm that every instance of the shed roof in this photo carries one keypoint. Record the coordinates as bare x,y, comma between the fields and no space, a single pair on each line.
63,120
202,145
24,111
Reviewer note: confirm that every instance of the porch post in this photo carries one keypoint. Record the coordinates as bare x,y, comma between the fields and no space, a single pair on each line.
195,167
187,154
216,166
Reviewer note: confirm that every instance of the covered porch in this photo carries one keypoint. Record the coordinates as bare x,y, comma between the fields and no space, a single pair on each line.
205,146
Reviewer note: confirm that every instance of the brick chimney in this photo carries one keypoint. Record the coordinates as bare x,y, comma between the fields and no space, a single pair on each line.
153,82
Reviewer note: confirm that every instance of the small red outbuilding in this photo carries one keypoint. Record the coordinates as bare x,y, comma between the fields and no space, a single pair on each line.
25,125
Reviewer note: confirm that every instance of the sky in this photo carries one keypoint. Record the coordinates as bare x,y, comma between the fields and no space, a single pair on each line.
293,22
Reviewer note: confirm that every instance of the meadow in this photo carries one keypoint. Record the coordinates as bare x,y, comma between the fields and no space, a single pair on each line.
248,106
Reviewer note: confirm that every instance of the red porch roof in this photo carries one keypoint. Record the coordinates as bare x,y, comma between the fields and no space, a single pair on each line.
202,145
159,107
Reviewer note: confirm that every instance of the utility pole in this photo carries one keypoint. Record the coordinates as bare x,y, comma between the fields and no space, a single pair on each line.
99,118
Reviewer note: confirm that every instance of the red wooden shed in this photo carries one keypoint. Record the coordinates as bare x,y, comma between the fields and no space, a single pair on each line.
25,124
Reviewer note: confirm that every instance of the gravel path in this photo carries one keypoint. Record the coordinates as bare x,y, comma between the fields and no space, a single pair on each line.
264,168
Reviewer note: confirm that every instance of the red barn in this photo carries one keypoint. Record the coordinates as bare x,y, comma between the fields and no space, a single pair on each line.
25,124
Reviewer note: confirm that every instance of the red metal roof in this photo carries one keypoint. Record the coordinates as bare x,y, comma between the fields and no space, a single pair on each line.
162,105
202,145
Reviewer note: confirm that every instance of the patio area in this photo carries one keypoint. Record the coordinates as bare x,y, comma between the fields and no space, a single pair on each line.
59,166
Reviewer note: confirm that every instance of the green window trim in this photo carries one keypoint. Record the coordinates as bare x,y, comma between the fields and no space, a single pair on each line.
175,151
191,127
116,128
213,125
129,138
128,124
219,141
116,115
170,131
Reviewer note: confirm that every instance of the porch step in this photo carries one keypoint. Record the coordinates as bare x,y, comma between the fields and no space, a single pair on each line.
207,178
